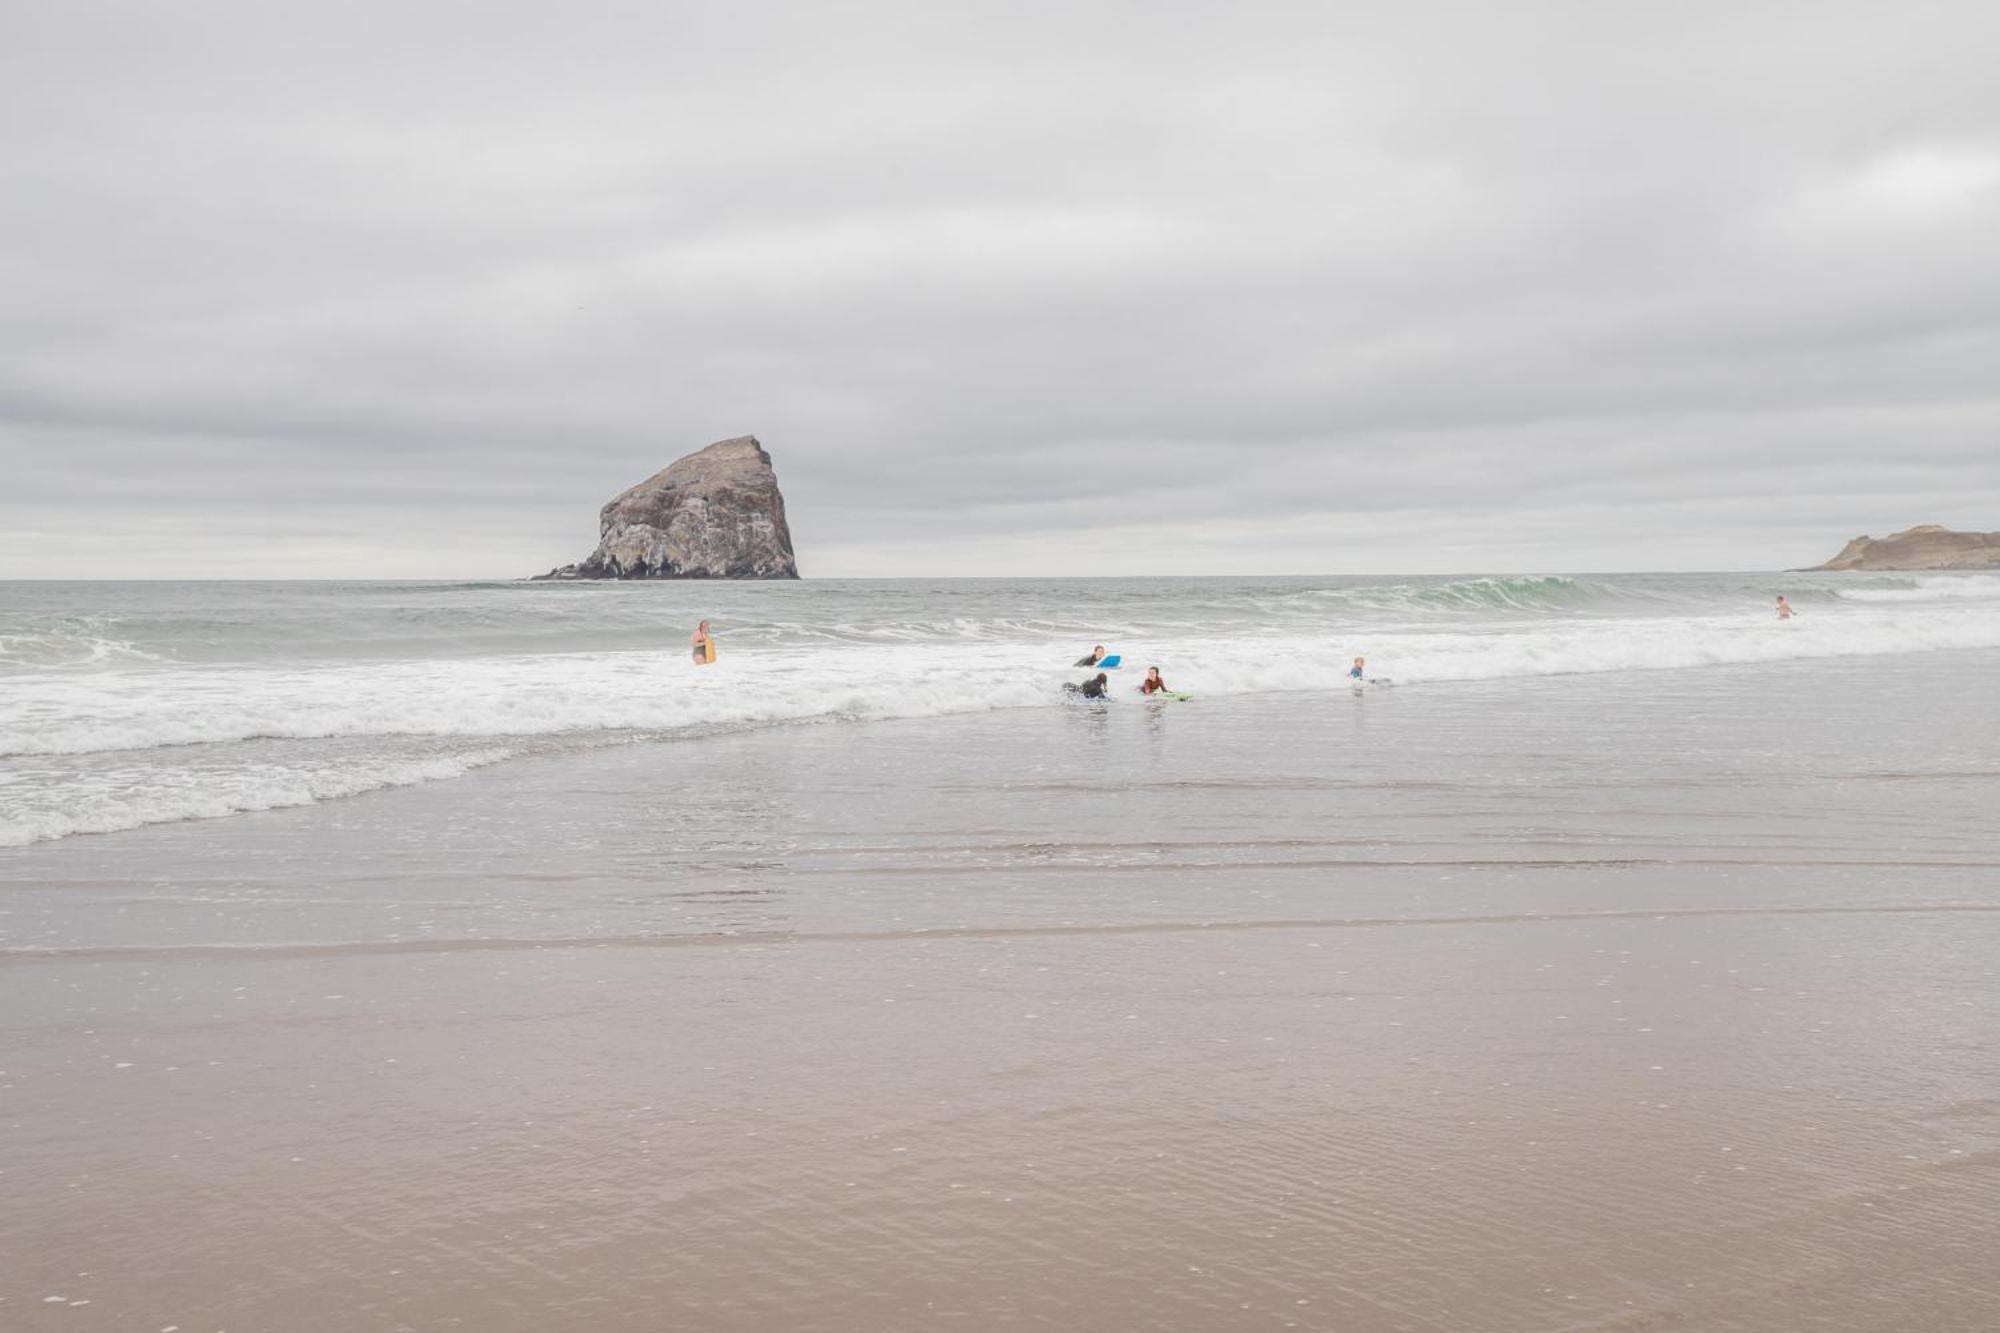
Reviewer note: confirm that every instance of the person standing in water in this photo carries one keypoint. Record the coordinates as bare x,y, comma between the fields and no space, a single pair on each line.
704,645
1153,684
1784,608
1359,671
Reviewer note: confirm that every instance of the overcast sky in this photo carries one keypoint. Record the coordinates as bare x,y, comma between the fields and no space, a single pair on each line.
406,289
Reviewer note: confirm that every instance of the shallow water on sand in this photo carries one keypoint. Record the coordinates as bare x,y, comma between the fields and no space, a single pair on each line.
131,704
1640,1000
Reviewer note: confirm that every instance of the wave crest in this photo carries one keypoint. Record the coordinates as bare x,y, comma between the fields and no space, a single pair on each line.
1534,593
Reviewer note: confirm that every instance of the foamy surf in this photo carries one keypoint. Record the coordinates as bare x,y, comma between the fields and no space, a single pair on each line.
221,701
1926,588
112,800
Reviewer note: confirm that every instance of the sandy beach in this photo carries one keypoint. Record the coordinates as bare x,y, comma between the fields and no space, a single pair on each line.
1610,1002
575,583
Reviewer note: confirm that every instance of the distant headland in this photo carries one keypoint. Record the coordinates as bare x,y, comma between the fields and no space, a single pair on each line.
1926,547
715,514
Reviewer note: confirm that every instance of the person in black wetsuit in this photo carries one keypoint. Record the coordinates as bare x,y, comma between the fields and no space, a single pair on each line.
1094,688
1096,655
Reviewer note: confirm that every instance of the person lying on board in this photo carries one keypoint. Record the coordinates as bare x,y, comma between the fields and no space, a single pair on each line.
1096,656
1094,688
1153,684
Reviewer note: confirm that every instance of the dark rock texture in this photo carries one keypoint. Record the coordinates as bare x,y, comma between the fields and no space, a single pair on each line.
716,514
1925,547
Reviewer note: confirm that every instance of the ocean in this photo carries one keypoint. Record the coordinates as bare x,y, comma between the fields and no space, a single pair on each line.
136,703
426,956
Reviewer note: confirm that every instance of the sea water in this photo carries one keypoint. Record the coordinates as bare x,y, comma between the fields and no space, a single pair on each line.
123,704
1629,963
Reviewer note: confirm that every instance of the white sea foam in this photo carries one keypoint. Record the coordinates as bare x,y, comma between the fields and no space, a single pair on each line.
68,646
660,692
130,742
1927,588
107,802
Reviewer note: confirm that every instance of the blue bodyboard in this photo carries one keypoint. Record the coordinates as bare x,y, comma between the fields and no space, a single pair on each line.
1110,662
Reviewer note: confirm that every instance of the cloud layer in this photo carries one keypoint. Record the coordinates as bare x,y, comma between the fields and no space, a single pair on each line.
410,290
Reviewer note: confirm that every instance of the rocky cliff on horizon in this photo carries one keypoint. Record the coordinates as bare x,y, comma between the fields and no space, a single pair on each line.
715,514
1924,547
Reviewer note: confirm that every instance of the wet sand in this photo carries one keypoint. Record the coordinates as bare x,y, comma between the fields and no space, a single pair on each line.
1634,1002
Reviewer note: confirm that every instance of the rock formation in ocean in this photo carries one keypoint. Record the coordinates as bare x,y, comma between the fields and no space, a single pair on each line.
715,514
1926,547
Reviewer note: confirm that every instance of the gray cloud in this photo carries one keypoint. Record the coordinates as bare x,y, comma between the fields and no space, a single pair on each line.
411,289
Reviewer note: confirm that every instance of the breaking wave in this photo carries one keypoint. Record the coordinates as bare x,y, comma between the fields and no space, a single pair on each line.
1539,593
103,728
69,643
1926,588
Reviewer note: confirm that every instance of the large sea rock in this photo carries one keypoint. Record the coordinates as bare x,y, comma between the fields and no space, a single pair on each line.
716,514
1926,547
